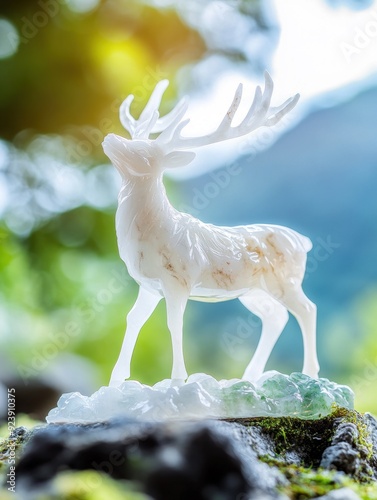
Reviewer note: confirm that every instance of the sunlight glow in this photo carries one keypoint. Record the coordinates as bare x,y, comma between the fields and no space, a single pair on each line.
321,48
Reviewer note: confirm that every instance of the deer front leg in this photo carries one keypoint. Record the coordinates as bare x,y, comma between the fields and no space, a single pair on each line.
175,308
144,306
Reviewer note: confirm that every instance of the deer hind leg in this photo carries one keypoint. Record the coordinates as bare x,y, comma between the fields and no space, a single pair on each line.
144,306
274,317
305,312
175,308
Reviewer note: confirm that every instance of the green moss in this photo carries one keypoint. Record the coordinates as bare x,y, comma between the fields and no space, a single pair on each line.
306,483
310,437
92,485
8,444
363,440
313,437
309,483
6,448
22,420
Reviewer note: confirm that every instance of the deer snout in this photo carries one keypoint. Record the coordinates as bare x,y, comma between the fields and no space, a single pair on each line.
135,158
115,148
113,145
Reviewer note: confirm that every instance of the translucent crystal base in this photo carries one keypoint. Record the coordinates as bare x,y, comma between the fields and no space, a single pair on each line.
274,395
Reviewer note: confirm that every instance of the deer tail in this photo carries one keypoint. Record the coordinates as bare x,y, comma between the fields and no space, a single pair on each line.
306,243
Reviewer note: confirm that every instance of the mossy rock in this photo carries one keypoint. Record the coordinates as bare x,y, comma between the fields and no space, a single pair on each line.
279,457
305,441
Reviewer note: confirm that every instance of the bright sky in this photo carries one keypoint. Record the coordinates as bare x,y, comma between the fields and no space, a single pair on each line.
321,50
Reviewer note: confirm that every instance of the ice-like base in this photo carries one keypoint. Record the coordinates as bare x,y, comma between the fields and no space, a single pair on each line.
201,396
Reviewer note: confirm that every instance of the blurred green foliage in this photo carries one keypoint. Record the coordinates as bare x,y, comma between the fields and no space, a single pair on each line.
63,287
73,69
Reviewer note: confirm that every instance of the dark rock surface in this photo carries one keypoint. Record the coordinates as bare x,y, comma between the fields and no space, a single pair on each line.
182,460
352,449
259,458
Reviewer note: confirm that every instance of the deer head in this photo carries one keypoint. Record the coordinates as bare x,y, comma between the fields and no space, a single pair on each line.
142,156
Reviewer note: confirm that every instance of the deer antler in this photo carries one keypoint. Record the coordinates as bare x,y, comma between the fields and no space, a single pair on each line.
149,121
260,114
171,125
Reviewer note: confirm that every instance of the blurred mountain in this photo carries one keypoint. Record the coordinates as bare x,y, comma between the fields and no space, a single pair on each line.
320,179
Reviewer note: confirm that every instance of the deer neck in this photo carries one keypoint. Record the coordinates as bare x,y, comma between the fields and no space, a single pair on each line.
142,201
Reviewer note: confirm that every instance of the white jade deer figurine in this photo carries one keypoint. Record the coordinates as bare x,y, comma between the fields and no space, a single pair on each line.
176,256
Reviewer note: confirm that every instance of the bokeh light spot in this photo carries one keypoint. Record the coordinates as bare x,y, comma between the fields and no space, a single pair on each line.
102,186
9,39
82,6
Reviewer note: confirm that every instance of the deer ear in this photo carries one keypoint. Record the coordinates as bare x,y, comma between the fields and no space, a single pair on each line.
178,159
